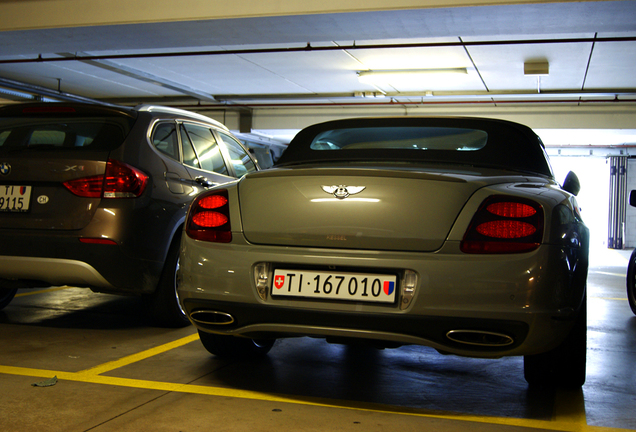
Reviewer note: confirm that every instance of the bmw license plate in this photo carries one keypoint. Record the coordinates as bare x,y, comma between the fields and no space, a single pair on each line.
15,198
378,288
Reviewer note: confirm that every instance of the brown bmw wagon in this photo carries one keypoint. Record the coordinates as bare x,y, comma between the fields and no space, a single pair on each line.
95,196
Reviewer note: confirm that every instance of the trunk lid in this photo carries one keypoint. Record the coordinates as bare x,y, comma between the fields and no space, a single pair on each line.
47,204
44,145
353,208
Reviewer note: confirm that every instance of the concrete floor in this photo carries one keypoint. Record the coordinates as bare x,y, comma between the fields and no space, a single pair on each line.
116,373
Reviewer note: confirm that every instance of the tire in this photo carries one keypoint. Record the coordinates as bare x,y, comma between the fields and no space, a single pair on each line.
6,295
564,365
631,281
235,347
165,308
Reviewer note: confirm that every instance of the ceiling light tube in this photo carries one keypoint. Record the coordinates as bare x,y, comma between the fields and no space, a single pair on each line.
371,76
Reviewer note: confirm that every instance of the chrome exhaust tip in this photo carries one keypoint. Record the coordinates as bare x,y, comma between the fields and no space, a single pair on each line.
210,317
480,338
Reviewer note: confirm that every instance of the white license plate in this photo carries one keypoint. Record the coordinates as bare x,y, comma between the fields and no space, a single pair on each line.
379,288
15,198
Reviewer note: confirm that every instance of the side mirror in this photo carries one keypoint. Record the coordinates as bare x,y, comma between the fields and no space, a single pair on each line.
632,198
572,184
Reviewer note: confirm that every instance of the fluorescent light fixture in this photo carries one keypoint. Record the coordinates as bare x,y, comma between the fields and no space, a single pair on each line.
401,75
369,94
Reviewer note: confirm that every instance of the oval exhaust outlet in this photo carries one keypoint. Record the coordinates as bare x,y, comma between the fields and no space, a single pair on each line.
211,317
480,338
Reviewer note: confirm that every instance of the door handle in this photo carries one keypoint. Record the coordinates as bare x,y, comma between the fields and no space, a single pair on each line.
203,181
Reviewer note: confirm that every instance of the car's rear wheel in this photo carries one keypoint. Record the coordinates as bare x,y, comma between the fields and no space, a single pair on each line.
6,295
232,346
165,308
631,281
564,365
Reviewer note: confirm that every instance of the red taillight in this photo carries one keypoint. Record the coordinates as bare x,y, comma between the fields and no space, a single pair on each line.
506,229
209,218
504,225
104,241
212,202
123,181
119,181
88,187
511,209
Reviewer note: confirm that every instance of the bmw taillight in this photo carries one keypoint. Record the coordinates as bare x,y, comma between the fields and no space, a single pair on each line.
120,180
209,217
504,224
123,181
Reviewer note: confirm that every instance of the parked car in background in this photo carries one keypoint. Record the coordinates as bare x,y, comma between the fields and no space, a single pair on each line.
631,267
96,196
445,232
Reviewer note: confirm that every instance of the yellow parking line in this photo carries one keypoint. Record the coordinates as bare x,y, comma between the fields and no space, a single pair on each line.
566,423
124,361
569,406
28,293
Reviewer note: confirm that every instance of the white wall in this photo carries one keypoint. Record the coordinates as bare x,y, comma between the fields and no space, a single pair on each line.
593,199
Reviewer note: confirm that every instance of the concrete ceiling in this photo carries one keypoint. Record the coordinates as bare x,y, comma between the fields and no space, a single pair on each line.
279,68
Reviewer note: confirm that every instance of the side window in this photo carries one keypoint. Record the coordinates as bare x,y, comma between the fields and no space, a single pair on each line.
241,161
207,150
164,138
189,156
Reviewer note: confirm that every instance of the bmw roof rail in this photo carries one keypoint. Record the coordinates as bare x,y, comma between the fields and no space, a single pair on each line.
177,111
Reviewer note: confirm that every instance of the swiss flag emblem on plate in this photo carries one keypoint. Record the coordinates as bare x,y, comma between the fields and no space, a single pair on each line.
279,281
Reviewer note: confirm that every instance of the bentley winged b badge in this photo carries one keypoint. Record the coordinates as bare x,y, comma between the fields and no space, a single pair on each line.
342,191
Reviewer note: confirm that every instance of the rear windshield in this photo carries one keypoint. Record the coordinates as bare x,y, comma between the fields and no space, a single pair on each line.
411,138
477,142
94,133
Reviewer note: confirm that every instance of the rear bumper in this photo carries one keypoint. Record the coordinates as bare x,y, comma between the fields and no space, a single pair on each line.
54,259
531,298
256,321
53,271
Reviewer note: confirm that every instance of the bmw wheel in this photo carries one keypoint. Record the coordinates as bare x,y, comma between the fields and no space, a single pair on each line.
631,281
165,307
233,346
565,364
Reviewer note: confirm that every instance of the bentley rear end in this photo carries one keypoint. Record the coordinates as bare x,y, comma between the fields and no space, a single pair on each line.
396,231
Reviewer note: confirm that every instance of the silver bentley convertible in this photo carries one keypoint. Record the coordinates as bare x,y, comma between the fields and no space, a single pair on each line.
446,232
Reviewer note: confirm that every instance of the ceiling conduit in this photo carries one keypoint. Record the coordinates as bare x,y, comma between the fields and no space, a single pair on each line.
310,48
232,101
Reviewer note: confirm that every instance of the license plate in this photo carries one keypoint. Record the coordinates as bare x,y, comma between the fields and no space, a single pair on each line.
378,288
15,198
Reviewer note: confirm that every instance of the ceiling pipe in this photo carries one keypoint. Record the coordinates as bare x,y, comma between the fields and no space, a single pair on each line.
394,103
47,93
607,94
310,48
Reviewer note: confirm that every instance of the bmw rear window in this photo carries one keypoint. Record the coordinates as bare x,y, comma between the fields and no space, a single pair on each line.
94,133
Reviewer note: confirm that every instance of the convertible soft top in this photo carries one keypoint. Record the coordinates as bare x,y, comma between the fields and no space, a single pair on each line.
456,140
